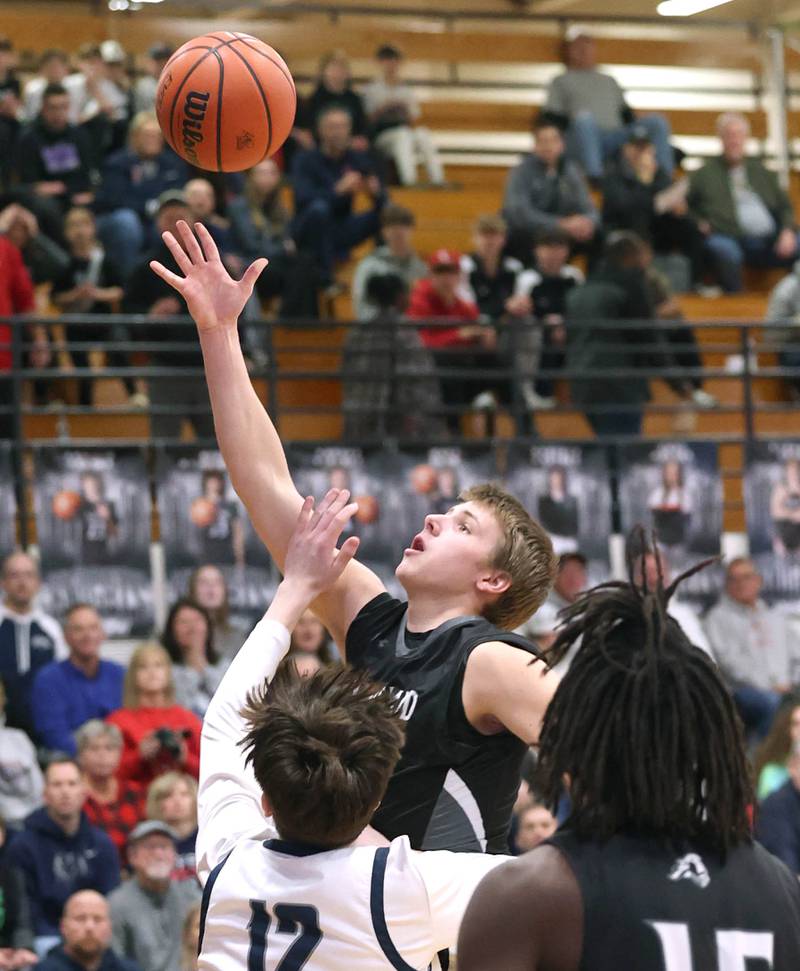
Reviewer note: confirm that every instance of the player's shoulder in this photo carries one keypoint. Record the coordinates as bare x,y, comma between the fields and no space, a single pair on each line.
376,619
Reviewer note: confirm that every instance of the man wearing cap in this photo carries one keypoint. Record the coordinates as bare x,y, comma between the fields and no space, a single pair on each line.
594,107
146,293
85,938
640,196
545,190
148,911
746,217
144,88
397,256
392,110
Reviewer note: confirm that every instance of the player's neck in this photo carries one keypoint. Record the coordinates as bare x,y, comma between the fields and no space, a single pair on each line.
425,614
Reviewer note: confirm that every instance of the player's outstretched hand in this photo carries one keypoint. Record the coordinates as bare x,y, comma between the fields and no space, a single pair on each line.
213,297
313,560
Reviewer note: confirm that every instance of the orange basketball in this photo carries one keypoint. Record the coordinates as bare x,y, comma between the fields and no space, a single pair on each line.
202,512
225,101
368,509
423,478
66,503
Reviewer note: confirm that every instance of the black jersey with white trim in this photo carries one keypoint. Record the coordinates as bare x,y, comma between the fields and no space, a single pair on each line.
657,906
454,787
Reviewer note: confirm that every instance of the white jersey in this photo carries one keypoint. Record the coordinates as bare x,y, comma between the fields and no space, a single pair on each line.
273,905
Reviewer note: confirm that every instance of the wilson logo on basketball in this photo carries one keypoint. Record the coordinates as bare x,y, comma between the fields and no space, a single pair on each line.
194,113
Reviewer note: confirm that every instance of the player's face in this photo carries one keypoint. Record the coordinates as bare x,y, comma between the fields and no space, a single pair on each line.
536,825
86,926
64,791
100,758
20,581
178,805
153,857
209,588
84,633
453,551
152,673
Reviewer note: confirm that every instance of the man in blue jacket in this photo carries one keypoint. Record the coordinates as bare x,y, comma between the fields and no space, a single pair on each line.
59,852
86,938
326,182
68,693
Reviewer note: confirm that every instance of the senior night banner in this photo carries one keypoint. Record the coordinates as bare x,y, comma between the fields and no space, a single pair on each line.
203,521
93,528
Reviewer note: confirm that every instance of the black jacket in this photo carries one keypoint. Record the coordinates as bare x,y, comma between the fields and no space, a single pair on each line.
628,202
16,925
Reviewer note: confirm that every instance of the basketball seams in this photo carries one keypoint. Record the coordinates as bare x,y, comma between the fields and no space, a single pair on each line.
221,63
264,98
181,86
242,38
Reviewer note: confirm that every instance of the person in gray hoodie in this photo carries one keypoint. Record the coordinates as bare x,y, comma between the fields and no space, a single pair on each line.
21,781
546,191
783,311
396,257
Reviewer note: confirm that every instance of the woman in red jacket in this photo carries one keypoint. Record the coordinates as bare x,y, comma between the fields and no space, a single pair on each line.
158,735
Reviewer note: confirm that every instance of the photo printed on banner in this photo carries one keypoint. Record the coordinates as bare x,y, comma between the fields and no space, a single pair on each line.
93,529
675,489
566,488
8,502
203,521
772,507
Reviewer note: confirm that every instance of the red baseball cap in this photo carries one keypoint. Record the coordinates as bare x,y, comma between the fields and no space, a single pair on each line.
443,258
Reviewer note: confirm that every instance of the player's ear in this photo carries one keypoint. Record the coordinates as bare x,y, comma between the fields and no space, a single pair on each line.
266,805
494,582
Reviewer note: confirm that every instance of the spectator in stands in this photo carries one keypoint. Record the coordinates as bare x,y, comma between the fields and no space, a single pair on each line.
260,227
117,86
16,297
784,309
85,938
144,88
21,782
59,852
535,825
53,158
90,284
389,377
490,278
112,804
172,799
548,191
29,638
392,110
202,203
157,734
464,343
146,293
640,196
546,286
68,693
617,291
594,106
16,927
133,179
326,182
189,639
10,103
750,643
53,69
44,259
148,911
571,579
782,742
688,618
778,819
190,938
746,216
396,256
207,587
310,637
333,90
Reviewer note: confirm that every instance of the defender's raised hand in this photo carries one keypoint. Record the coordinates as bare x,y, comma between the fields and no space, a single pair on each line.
313,561
213,297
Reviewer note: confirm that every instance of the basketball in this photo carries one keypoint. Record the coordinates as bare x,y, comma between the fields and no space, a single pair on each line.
225,101
65,504
202,512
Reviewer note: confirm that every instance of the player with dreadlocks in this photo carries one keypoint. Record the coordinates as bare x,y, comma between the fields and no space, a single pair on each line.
655,868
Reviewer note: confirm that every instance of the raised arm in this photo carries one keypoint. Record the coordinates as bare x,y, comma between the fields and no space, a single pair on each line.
247,438
229,798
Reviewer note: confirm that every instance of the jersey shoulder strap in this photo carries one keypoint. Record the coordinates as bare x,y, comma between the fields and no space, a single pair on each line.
373,623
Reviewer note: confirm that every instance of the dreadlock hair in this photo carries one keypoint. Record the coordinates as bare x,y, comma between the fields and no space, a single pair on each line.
642,725
322,749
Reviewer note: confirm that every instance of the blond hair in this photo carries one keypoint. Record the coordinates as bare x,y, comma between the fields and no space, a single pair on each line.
130,692
525,553
162,786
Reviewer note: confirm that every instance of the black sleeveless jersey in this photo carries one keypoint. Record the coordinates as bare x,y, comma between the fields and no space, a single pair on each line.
453,788
651,907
